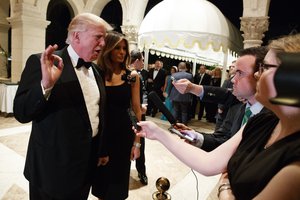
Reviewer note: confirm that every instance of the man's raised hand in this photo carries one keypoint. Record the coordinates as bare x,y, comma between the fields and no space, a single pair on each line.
50,71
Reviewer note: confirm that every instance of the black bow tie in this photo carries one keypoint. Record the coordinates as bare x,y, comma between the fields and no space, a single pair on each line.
81,63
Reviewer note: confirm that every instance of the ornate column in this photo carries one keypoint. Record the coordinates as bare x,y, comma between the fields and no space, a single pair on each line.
28,34
4,28
131,34
254,28
133,15
255,21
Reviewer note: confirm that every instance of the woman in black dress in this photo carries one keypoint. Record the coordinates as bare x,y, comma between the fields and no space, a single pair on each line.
263,158
120,145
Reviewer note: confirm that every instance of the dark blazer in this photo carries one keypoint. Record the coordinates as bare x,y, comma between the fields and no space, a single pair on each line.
205,80
213,94
227,84
60,144
230,126
232,122
158,82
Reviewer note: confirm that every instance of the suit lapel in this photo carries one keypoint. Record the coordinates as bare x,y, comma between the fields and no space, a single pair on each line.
237,125
70,80
101,86
242,112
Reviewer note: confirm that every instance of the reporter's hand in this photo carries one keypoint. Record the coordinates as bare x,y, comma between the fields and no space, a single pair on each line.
180,127
183,85
193,134
149,130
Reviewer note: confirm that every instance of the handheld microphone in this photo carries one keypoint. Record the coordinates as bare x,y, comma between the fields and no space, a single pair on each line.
152,96
161,106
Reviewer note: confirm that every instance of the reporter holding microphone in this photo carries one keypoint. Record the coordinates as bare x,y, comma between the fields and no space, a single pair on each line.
263,158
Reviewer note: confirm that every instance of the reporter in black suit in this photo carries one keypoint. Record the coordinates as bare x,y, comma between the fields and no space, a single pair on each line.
65,103
244,87
229,127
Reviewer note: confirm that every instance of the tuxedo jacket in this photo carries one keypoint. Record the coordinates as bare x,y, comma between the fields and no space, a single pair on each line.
232,122
205,80
219,95
158,82
60,144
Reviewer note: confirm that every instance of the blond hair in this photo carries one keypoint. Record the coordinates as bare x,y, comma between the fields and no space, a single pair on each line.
289,43
82,22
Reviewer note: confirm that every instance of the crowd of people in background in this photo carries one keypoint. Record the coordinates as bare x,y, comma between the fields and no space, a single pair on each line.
159,80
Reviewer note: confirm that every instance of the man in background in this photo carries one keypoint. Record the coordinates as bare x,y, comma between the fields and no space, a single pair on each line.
137,63
201,78
156,82
244,87
181,102
227,84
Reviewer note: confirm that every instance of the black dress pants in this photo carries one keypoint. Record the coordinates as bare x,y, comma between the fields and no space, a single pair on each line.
140,162
35,193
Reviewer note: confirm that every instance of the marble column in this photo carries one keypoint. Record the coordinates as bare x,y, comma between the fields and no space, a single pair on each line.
28,36
254,28
4,27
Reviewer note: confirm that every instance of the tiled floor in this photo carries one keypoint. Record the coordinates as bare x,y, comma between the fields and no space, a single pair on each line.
160,163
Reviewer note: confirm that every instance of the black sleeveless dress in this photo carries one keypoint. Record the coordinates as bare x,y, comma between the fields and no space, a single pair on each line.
112,180
252,166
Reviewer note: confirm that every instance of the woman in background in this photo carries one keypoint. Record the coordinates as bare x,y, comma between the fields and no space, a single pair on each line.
120,145
167,89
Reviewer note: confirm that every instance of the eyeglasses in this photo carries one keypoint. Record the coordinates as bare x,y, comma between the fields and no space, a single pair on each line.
264,67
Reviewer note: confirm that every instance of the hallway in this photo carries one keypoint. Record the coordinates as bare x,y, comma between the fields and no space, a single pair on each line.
160,163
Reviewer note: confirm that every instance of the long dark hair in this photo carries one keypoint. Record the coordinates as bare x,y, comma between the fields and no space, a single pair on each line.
112,39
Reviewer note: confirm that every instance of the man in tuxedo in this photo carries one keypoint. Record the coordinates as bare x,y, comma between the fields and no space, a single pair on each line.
63,95
202,78
156,82
244,88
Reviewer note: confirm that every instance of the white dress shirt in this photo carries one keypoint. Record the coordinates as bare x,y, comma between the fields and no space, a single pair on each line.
89,88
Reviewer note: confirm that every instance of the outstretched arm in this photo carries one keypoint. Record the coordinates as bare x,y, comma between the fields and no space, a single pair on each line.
186,86
206,163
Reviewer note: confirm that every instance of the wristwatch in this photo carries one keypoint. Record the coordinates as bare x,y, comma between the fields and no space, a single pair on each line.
137,145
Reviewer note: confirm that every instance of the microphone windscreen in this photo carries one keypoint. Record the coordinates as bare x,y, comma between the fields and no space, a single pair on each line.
153,97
